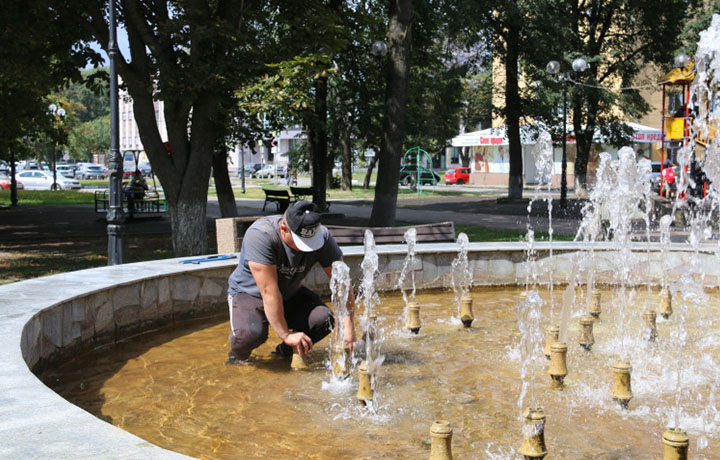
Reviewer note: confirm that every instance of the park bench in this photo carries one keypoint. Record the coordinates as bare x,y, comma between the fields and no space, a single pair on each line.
301,193
151,203
437,232
281,198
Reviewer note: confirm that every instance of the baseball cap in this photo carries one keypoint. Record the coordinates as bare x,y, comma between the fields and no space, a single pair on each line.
303,218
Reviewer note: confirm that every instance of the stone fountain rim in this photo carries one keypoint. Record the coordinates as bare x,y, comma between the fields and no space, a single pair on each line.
38,423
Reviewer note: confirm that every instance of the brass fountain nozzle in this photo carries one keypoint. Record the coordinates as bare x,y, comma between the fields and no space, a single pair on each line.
365,391
413,319
587,340
466,314
558,364
651,332
298,361
595,304
552,335
341,360
533,446
621,391
676,443
666,303
440,439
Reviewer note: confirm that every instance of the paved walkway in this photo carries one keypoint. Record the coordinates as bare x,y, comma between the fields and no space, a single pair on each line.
59,222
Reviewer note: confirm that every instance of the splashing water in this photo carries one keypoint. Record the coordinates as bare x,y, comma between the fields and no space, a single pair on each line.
461,276
369,299
340,290
543,156
409,264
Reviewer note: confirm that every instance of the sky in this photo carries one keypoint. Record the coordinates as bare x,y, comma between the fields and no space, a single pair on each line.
123,46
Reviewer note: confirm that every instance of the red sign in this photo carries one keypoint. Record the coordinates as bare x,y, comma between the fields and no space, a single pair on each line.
490,140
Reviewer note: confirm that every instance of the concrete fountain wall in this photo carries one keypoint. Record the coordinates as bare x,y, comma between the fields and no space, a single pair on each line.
47,320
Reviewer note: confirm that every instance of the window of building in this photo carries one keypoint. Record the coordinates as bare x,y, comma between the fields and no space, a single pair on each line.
455,155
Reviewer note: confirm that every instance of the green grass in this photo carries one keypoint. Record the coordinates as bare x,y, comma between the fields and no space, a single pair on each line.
484,234
43,197
94,182
20,260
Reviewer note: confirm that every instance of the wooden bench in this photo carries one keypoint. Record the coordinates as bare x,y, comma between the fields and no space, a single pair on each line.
441,231
300,193
281,198
151,203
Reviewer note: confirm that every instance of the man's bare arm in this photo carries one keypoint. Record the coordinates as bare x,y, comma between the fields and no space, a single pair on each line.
267,282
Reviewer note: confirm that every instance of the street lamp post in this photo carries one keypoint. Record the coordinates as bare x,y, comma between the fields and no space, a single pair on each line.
553,68
59,112
13,180
115,216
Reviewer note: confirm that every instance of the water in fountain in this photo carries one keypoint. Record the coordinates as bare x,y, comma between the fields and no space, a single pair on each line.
702,209
408,266
369,299
543,156
340,288
461,276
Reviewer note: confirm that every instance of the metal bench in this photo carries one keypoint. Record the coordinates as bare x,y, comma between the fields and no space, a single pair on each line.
300,193
281,198
438,232
151,203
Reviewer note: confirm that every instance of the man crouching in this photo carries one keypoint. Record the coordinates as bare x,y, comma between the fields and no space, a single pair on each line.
266,287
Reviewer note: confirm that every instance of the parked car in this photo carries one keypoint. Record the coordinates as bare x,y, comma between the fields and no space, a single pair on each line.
65,170
4,167
91,171
145,168
5,182
266,171
457,176
251,168
43,180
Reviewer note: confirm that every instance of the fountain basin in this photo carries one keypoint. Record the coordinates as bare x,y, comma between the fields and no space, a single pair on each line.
46,320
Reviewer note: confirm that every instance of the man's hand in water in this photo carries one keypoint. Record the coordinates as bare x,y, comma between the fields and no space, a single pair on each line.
299,341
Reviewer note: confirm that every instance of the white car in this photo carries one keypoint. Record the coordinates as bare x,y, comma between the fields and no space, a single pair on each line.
43,180
266,171
91,171
65,170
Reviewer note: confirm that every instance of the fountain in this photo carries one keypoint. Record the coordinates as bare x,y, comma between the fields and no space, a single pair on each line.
461,282
170,388
340,354
412,309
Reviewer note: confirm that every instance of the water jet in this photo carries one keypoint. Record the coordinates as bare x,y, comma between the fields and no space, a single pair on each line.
666,303
440,439
413,317
558,365
533,445
552,334
365,391
621,391
466,314
651,332
587,340
676,443
595,309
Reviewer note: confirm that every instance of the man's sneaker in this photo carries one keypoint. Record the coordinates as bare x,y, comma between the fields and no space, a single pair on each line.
233,359
283,350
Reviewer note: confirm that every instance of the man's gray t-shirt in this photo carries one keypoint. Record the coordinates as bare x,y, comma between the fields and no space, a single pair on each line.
262,243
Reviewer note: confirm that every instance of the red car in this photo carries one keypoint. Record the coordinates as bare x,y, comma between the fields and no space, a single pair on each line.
457,176
5,182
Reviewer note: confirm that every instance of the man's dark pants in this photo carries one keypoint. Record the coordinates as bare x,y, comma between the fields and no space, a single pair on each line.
304,312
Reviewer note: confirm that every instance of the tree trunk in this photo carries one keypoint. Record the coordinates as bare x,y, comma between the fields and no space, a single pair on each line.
368,174
223,187
465,156
318,144
386,189
346,182
188,221
513,112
